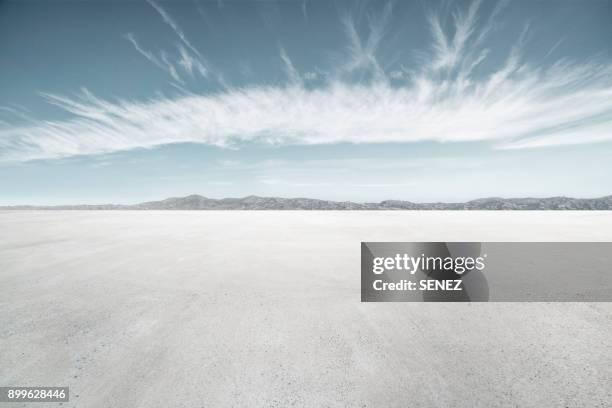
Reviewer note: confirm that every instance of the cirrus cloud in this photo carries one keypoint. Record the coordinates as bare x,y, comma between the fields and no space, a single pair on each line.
515,105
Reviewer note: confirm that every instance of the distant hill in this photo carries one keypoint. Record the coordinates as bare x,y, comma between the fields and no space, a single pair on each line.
198,202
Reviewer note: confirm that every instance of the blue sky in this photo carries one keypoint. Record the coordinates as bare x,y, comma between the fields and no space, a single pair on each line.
132,101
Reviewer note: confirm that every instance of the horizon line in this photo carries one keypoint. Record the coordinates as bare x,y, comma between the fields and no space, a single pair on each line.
135,204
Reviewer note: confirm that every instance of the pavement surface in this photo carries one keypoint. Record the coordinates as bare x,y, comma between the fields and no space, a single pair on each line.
262,309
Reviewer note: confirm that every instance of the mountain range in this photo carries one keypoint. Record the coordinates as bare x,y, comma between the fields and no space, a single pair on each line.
198,202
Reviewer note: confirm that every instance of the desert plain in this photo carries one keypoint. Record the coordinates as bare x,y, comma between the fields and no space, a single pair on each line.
262,309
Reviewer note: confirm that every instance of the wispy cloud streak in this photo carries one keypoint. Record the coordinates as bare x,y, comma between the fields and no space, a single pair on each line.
161,62
515,105
189,57
362,51
191,64
175,27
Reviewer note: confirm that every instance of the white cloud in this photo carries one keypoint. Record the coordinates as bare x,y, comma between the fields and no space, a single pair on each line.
361,52
189,58
304,11
515,106
292,74
175,27
310,76
191,64
161,62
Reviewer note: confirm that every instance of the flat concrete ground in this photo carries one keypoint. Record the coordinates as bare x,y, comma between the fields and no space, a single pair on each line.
254,309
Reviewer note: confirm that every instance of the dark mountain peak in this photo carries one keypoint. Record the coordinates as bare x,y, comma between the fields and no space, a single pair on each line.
253,202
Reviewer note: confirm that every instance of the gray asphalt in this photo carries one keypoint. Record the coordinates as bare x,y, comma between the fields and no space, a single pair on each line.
262,309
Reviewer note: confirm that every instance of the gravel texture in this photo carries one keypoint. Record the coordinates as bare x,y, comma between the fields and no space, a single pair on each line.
262,309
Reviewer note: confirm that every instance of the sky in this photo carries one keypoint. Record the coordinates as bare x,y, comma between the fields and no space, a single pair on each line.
129,101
